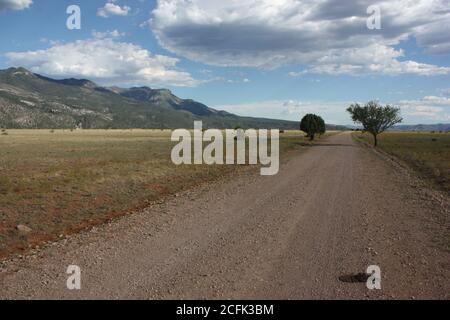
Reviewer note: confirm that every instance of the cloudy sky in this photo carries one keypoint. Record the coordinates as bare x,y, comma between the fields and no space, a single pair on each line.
267,58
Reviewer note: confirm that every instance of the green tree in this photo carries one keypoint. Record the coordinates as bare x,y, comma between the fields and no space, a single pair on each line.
375,118
312,124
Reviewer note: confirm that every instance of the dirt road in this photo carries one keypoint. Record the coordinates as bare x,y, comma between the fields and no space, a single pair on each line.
332,211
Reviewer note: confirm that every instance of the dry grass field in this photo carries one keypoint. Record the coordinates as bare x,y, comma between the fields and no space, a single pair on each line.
60,181
428,154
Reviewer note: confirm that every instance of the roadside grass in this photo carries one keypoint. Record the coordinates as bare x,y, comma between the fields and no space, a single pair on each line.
59,181
428,154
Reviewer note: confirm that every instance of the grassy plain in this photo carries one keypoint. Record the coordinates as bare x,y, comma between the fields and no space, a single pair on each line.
428,154
61,181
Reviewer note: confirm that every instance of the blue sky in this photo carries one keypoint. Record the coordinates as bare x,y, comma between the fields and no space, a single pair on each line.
278,59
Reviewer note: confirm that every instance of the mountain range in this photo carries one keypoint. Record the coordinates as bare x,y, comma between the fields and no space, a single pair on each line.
436,127
29,100
444,127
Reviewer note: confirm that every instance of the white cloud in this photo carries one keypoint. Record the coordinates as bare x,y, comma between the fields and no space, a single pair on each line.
234,81
333,112
107,34
445,92
144,24
327,36
297,74
15,4
112,9
429,109
106,61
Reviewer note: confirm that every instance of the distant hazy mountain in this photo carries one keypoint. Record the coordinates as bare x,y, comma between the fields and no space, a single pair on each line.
424,127
29,100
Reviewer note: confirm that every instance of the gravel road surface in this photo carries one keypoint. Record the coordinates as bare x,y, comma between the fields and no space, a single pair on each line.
333,210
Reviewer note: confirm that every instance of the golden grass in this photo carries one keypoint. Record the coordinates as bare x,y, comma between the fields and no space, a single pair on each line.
428,154
62,181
